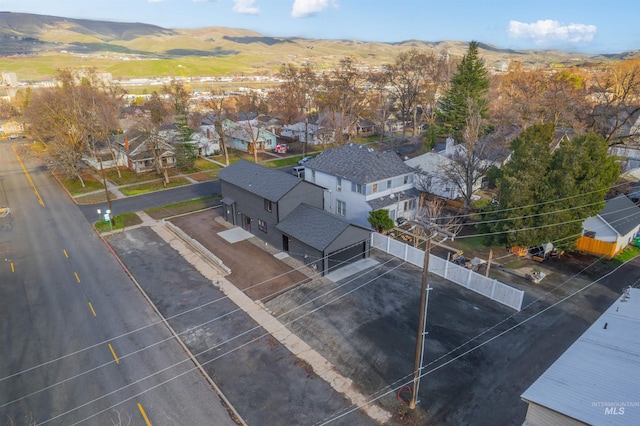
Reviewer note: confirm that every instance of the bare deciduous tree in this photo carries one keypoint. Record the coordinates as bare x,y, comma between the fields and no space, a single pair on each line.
342,99
617,96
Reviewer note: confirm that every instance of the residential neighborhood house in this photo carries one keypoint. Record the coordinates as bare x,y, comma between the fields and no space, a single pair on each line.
207,140
135,150
431,177
289,214
611,230
358,179
242,134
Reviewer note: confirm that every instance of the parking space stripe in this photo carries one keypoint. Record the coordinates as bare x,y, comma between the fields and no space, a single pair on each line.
144,415
113,353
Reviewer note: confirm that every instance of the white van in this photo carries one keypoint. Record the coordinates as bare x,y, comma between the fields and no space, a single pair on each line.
298,171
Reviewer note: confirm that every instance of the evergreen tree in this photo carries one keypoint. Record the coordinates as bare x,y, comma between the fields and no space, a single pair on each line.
470,85
545,197
380,220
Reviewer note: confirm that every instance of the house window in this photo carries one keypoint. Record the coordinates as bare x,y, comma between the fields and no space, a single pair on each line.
338,184
342,208
262,225
313,176
388,184
357,187
409,205
374,188
268,206
406,179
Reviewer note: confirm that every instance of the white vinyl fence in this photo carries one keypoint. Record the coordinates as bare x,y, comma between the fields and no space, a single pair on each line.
485,286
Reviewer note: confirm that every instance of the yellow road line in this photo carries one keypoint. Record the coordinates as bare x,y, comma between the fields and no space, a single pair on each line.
65,253
113,353
12,268
77,277
144,415
92,310
24,169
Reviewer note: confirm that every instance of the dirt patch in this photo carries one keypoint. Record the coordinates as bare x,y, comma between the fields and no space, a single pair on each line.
254,271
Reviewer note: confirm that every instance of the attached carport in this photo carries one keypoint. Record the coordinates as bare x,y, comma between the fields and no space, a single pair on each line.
323,240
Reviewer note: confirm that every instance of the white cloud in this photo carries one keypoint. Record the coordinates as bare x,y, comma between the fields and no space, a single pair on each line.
304,8
245,6
154,1
545,31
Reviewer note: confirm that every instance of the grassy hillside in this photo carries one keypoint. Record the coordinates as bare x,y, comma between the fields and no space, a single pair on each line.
34,46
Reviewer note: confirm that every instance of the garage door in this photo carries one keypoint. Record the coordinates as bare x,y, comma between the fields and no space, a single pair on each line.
343,257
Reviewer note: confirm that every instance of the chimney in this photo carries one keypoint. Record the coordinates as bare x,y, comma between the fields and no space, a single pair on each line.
449,145
126,143
208,133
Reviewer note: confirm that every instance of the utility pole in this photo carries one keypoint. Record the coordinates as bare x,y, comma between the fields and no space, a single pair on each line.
106,193
424,298
489,262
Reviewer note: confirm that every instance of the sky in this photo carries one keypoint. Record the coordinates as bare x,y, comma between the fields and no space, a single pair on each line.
589,26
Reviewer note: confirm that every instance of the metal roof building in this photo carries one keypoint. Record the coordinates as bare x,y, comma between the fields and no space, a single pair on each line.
597,380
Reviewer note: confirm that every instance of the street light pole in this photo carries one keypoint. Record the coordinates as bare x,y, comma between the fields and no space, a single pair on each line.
106,192
424,298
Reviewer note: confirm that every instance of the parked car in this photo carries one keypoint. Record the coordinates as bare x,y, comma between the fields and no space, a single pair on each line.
304,160
281,148
298,171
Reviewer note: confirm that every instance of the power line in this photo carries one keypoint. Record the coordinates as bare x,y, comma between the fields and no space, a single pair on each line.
330,420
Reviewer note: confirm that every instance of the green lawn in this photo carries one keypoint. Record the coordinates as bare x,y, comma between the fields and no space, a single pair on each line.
128,176
282,162
121,221
201,164
183,207
152,186
627,254
74,186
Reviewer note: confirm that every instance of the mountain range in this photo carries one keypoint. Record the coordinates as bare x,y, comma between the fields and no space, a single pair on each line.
28,35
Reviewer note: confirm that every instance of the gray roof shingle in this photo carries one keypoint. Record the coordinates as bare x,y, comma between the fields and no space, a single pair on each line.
386,201
259,180
314,227
621,213
359,163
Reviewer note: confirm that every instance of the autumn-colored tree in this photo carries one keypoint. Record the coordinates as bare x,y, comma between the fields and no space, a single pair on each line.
248,105
380,100
414,78
179,98
218,104
617,99
65,116
158,113
342,99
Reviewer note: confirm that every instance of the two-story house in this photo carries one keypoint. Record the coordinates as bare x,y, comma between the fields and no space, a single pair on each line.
358,179
288,213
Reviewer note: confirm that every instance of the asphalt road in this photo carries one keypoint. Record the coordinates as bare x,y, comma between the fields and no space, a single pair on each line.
155,199
68,311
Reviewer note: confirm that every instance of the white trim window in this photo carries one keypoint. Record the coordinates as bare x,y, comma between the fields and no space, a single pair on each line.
341,208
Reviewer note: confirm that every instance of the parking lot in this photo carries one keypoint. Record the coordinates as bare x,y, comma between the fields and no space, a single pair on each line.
480,356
